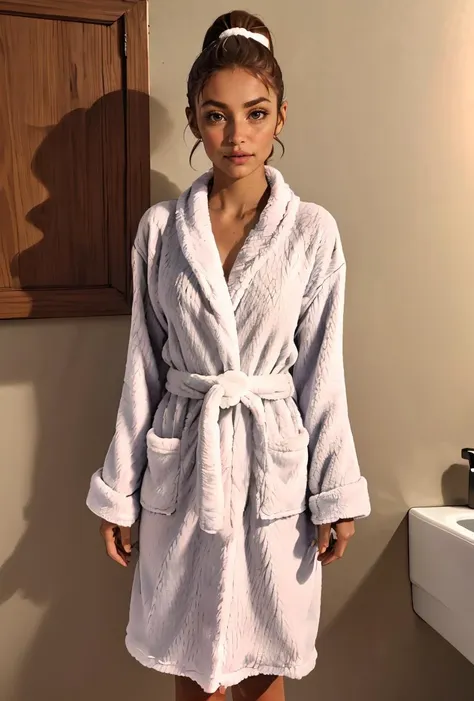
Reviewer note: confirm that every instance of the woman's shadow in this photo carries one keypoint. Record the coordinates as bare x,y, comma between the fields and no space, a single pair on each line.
75,369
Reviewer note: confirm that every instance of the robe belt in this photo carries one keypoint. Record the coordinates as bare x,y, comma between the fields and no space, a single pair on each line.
222,392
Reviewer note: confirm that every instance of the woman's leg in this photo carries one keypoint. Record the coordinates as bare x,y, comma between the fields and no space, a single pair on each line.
261,688
187,690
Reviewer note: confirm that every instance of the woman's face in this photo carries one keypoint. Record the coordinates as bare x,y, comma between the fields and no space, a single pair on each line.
237,119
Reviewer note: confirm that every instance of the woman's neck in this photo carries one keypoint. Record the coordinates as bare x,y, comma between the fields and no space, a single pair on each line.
238,198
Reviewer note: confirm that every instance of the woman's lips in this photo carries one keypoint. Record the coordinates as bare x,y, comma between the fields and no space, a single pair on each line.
239,158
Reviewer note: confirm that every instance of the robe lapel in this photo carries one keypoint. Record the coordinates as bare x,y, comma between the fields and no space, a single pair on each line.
199,247
277,218
200,250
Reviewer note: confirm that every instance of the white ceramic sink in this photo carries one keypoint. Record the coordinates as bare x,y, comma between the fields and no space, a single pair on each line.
467,523
441,542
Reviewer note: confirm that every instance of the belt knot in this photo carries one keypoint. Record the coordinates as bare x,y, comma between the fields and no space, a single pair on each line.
235,384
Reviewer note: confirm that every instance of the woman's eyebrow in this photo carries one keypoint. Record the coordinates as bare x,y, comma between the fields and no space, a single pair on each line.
223,106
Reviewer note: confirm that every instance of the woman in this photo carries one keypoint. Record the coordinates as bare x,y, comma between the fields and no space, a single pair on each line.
233,440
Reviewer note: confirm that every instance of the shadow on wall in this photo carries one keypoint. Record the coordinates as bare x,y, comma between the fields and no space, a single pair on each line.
455,485
80,167
376,648
161,188
76,370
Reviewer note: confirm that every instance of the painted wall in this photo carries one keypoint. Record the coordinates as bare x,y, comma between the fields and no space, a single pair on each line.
381,102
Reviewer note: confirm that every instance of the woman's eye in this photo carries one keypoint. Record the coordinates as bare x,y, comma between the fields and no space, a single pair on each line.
258,115
214,117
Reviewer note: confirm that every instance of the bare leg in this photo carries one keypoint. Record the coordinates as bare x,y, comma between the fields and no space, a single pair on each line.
261,688
187,690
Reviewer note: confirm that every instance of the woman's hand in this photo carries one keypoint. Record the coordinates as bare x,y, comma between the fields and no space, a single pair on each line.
328,553
117,542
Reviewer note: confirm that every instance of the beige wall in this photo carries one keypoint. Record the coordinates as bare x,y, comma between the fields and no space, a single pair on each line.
381,102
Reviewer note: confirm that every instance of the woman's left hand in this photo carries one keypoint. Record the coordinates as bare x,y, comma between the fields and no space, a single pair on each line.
345,529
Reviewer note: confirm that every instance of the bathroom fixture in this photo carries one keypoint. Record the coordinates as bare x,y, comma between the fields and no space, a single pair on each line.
441,551
468,454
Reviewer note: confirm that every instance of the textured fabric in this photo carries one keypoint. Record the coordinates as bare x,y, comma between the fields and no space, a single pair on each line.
221,392
232,438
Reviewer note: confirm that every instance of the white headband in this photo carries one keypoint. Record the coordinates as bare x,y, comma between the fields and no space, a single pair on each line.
240,31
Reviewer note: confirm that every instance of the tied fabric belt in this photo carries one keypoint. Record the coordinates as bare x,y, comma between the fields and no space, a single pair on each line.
222,392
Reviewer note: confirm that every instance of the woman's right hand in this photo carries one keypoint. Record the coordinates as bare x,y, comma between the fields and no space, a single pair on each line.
117,541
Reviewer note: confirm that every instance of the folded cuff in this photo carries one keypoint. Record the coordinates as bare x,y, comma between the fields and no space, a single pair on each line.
347,501
105,502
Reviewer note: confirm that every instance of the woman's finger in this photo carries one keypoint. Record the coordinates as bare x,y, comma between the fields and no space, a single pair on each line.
329,558
337,552
324,534
107,532
344,531
122,536
345,528
126,538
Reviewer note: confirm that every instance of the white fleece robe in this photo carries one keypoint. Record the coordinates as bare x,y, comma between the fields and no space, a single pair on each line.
232,439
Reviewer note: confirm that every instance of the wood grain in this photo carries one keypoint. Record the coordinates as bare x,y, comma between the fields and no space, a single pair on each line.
20,304
137,122
74,162
99,11
57,136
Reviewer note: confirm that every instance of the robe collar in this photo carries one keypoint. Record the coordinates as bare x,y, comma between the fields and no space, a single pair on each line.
199,247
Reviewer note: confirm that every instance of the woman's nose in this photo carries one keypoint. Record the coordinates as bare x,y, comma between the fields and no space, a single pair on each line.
236,133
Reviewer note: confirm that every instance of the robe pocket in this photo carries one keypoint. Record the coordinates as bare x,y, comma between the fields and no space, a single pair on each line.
285,483
159,492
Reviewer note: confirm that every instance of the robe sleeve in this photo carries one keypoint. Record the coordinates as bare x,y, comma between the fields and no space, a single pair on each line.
337,489
114,493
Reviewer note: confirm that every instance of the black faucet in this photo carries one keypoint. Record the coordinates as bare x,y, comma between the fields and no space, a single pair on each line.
468,454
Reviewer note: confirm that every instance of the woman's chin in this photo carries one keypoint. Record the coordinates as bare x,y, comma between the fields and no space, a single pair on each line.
237,170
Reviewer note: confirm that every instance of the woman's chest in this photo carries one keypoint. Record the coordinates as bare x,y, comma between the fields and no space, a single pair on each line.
264,291
230,235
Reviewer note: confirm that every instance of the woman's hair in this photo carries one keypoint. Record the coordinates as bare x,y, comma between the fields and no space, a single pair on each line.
235,51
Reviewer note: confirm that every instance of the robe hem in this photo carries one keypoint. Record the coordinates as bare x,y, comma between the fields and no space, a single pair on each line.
228,679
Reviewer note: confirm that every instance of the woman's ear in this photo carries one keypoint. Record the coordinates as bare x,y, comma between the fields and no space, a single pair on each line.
192,122
281,118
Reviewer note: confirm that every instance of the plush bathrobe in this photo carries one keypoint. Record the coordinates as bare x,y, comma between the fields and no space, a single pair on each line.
232,440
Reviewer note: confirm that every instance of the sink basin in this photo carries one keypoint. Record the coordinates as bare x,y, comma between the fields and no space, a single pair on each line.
441,549
467,523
